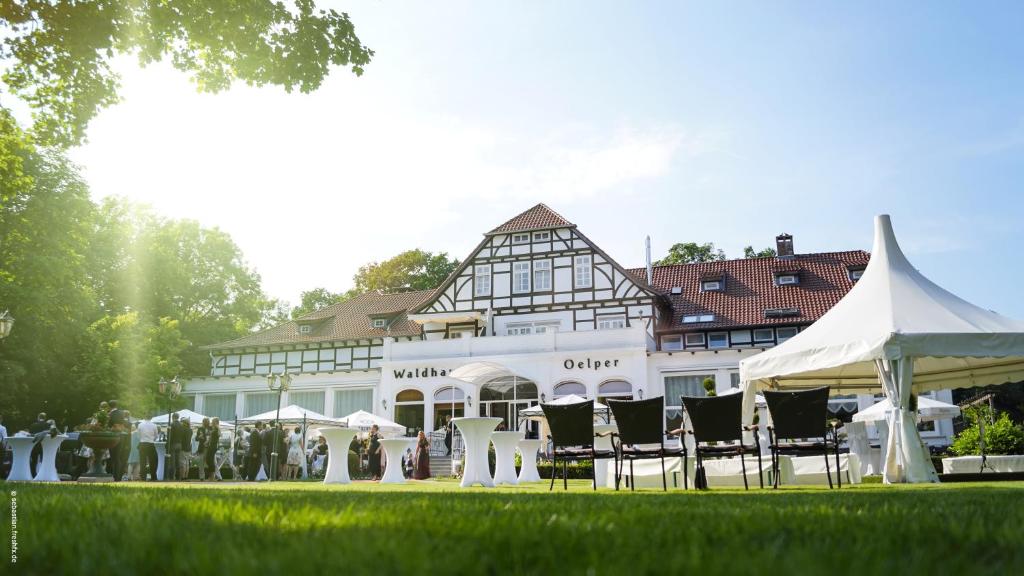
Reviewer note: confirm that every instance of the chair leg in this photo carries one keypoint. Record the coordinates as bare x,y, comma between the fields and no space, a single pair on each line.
828,473
743,466
686,472
593,472
839,471
632,476
565,474
760,470
775,468
554,470
664,483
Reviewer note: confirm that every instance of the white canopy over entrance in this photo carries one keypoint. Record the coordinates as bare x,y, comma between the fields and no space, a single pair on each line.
898,331
292,414
480,373
928,410
537,413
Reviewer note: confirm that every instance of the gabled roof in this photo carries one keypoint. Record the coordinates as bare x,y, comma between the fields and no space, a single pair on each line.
536,218
750,289
348,320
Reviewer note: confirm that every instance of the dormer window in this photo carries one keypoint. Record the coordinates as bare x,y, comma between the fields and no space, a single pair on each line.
781,312
697,318
787,279
541,236
520,238
305,328
711,285
855,272
676,290
380,322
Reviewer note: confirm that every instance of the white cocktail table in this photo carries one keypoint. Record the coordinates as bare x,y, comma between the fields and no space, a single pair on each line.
394,451
21,471
338,440
528,454
476,435
505,456
161,454
47,469
604,443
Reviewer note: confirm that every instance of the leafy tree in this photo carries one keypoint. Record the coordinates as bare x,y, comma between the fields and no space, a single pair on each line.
316,299
691,253
57,53
749,252
1002,436
408,271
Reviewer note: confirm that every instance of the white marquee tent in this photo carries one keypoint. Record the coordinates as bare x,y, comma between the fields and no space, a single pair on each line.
898,331
363,421
292,414
535,412
928,410
195,419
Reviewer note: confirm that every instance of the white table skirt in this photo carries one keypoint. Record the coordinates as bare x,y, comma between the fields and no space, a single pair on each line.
972,464
720,472
811,469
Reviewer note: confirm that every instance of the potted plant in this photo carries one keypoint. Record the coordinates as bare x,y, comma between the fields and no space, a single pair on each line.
99,437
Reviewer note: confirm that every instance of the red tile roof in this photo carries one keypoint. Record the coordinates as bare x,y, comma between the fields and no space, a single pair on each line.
538,217
750,289
348,320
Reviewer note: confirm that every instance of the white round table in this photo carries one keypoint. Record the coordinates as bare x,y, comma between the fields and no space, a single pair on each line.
338,440
603,443
528,454
505,456
161,452
394,451
21,471
47,469
476,435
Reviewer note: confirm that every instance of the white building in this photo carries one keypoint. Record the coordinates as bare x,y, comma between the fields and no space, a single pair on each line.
536,311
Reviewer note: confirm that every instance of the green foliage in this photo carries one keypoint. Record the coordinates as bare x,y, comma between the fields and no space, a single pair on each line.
408,271
420,527
709,386
690,253
749,252
317,298
57,54
1001,437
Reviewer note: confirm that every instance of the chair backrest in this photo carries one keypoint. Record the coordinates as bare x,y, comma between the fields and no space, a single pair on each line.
639,421
715,418
802,414
571,424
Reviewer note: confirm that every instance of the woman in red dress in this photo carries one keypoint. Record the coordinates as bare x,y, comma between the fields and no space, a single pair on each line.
422,471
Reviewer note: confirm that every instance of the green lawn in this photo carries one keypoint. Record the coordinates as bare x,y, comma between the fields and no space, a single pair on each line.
436,528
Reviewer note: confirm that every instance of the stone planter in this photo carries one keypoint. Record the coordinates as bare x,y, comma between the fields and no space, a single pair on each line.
99,442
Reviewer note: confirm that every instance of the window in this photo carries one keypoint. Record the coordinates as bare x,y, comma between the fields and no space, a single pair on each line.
522,328
787,279
671,343
259,402
379,322
676,290
781,312
693,340
541,236
711,285
718,340
520,238
785,333
305,329
461,331
312,400
482,280
583,273
695,318
611,322
348,401
856,273
566,388
676,386
739,337
520,277
409,411
542,275
618,389
764,335
220,405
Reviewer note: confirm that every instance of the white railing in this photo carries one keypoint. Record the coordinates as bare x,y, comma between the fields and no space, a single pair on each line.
632,337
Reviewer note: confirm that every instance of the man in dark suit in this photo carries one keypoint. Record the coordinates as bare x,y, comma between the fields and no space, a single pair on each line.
267,438
35,428
174,445
254,456
117,419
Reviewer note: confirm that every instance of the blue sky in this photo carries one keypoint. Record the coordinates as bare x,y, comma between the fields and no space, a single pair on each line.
714,122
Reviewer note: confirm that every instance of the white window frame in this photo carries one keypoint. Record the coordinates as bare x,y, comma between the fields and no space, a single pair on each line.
672,343
305,329
518,275
770,338
711,285
521,238
787,279
482,280
380,322
781,338
526,328
856,274
583,271
698,318
462,332
691,338
542,271
611,322
719,335
740,337
544,236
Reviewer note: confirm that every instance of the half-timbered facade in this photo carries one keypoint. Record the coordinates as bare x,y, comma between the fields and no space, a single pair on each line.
535,312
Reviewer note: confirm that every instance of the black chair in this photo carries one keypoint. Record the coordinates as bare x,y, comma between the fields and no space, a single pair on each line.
801,418
718,428
640,422
572,438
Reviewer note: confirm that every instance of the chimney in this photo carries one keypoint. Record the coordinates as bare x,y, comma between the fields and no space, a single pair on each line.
650,271
784,246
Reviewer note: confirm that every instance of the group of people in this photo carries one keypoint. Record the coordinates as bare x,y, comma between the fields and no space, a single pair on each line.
258,445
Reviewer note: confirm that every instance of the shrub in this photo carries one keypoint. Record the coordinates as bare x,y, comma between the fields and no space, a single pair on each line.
1001,437
574,470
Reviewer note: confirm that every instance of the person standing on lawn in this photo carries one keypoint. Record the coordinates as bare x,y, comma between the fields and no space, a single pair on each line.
294,453
147,448
186,448
373,453
117,420
282,451
254,455
422,461
212,444
133,453
448,434
175,432
202,436
268,447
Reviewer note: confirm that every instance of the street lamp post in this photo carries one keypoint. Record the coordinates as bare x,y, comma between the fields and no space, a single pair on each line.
6,323
169,390
277,383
